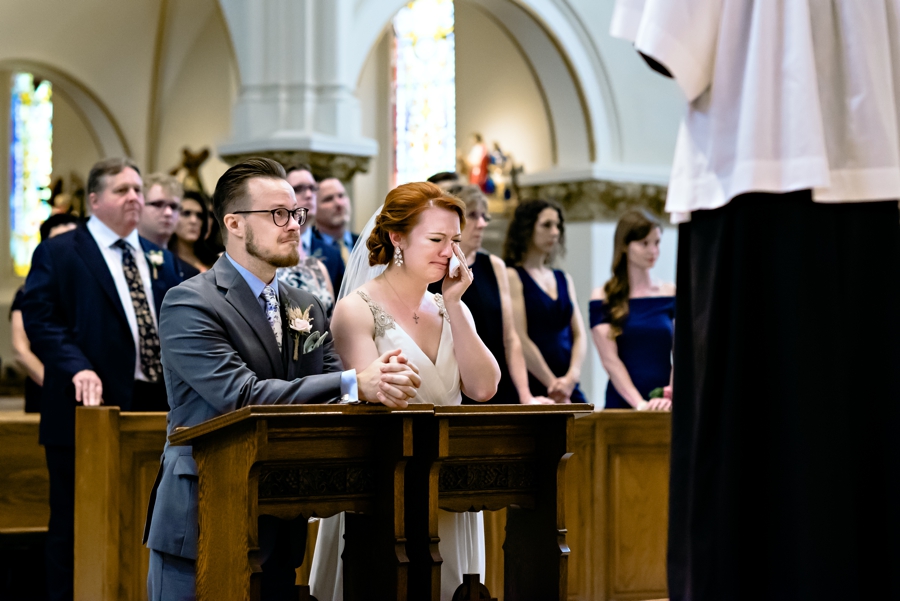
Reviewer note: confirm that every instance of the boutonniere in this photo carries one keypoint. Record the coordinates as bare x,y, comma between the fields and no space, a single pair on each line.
301,327
156,259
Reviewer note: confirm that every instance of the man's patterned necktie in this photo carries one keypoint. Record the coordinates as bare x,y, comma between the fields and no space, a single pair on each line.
148,339
272,312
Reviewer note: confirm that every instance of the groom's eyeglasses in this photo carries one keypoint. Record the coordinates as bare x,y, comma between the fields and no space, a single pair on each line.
281,217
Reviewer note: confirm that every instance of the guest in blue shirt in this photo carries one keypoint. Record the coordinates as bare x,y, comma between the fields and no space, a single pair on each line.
633,319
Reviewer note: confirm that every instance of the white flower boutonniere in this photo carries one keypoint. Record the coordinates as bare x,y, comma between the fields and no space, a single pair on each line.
155,258
301,326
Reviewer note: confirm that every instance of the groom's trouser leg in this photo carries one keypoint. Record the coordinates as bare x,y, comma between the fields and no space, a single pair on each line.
171,578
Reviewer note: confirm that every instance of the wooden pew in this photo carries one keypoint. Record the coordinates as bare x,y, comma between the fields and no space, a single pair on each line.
24,483
116,460
617,506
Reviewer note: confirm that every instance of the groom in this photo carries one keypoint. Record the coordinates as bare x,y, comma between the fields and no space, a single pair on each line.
226,343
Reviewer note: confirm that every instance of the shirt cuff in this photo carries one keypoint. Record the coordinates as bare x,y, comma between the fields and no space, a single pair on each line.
349,386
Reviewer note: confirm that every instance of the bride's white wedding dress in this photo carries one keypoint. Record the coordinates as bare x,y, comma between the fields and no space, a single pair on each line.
462,534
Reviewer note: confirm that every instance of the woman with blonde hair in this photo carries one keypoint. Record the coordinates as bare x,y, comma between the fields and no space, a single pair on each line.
633,319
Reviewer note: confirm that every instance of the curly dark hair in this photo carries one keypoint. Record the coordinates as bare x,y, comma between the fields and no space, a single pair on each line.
400,214
521,231
634,225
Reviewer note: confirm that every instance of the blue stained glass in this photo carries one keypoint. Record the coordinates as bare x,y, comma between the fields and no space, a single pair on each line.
424,90
31,163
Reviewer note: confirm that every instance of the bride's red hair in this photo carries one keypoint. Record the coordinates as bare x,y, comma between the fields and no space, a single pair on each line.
400,214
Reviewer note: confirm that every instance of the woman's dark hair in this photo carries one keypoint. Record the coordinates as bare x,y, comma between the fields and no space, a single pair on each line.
634,225
201,249
521,231
400,214
54,221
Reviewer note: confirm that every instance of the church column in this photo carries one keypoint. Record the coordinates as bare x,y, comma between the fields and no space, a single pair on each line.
296,102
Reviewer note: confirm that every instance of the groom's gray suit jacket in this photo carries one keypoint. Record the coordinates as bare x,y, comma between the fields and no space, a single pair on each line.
219,354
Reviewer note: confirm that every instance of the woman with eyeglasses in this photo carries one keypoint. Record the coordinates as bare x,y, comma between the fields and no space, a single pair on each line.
310,273
489,301
188,241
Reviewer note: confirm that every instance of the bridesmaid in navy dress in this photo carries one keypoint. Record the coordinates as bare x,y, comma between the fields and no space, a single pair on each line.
489,302
633,319
544,305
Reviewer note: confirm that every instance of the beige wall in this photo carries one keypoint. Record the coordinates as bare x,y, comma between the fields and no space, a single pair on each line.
195,108
496,92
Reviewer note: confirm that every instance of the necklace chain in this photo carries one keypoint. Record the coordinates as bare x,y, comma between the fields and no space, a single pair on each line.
415,315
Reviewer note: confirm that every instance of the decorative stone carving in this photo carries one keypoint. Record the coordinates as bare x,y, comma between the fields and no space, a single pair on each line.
486,476
316,481
599,200
341,166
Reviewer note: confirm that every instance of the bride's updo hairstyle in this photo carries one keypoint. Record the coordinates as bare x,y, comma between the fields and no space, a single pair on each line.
400,214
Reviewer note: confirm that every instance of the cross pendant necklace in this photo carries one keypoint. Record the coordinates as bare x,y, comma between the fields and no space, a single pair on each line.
415,315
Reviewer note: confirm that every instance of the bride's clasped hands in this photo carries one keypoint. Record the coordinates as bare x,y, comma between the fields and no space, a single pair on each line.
392,380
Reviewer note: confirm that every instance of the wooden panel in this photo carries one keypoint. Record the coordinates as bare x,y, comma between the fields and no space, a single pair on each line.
639,495
116,460
617,506
24,483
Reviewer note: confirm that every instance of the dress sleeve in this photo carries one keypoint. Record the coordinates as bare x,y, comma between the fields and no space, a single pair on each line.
681,35
599,312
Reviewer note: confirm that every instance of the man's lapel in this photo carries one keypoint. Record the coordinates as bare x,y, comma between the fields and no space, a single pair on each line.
241,298
292,369
90,253
157,281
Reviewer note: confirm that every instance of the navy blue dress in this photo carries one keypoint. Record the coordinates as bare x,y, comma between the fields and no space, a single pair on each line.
645,344
483,300
550,328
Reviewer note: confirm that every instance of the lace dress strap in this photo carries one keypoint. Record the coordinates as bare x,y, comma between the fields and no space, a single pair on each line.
439,301
383,319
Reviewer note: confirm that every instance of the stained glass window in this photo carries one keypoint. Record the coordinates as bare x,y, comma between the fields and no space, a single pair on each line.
424,90
30,165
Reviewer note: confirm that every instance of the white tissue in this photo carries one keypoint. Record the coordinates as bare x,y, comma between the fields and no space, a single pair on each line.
454,266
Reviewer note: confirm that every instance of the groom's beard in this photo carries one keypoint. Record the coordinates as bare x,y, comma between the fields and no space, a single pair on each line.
286,260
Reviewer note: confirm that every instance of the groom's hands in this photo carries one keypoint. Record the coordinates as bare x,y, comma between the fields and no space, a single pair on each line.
390,380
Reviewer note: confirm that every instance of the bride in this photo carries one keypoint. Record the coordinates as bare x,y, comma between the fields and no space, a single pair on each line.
415,235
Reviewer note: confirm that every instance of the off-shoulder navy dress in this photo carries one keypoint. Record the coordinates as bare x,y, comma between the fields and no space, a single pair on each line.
550,328
645,344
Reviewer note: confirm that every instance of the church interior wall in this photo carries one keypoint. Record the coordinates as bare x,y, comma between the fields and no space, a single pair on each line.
167,73
497,94
197,97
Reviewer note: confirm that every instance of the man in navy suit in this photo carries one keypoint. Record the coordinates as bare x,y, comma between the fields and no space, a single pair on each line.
332,220
301,179
90,311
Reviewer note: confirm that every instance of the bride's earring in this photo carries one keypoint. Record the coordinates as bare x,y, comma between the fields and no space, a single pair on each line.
398,256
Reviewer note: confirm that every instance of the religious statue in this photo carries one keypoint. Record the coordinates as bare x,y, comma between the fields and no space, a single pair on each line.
188,172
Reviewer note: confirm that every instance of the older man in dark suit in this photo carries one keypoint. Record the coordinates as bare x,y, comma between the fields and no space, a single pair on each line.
228,340
90,308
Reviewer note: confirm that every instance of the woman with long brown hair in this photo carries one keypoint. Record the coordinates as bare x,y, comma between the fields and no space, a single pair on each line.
633,319
545,309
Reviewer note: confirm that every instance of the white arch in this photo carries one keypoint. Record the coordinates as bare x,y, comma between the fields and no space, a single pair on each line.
563,57
99,120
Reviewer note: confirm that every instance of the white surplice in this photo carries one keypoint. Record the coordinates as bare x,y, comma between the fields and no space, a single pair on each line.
462,534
